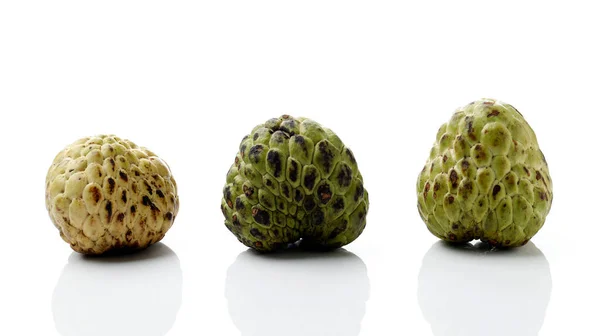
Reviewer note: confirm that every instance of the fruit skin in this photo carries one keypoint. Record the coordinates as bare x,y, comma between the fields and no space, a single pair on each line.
485,178
105,194
293,179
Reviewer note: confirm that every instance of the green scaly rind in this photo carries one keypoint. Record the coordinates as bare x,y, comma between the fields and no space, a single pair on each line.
486,178
293,179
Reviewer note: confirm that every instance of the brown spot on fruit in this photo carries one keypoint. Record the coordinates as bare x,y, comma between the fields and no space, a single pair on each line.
350,156
318,217
454,178
169,216
470,130
248,191
274,159
111,185
235,221
309,204
309,179
324,192
526,171
450,199
445,158
285,190
298,196
465,165
493,113
427,186
256,234
496,190
123,176
148,187
359,192
345,176
96,194
335,233
239,205
452,236
255,152
261,216
327,155
108,209
454,226
147,202
293,171
338,204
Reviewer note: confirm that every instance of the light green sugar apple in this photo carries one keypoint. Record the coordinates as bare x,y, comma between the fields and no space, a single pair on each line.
107,194
486,178
293,180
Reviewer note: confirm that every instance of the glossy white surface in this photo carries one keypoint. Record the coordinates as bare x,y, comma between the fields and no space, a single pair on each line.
188,79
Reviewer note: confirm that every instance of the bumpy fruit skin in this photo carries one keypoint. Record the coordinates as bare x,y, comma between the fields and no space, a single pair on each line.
485,178
293,179
107,194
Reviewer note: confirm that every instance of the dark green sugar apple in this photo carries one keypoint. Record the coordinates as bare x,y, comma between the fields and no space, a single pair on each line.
294,180
485,178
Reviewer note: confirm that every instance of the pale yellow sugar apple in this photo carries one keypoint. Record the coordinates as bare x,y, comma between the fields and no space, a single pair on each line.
106,194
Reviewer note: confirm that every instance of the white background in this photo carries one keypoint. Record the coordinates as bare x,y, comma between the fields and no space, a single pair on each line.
188,79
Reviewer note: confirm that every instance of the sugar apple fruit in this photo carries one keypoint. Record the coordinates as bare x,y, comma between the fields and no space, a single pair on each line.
485,178
107,194
293,179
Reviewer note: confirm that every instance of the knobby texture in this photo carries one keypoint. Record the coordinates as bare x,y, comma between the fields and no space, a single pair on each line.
485,178
107,194
293,179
